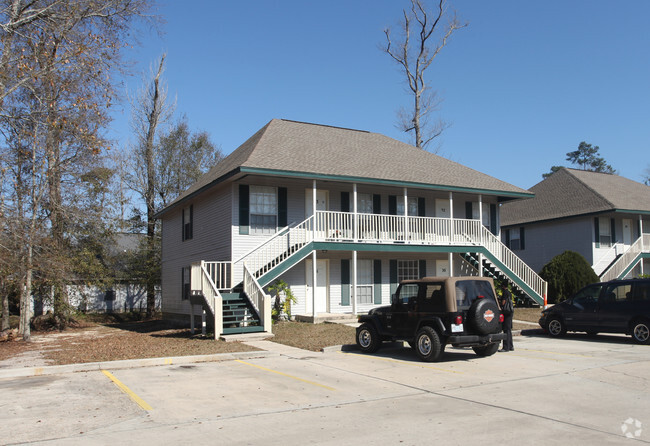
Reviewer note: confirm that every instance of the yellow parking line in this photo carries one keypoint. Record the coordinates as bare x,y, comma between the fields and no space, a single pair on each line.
139,401
284,374
404,362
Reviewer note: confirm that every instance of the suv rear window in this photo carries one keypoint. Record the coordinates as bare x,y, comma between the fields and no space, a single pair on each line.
468,290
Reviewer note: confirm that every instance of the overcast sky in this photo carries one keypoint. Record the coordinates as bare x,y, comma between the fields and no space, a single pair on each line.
522,85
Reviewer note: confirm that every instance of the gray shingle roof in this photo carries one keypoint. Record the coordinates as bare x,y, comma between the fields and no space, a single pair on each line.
571,192
319,150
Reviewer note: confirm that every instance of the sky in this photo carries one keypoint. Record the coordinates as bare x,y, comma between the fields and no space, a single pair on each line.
523,84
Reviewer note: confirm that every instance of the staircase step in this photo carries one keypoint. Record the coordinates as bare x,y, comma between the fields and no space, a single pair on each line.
249,329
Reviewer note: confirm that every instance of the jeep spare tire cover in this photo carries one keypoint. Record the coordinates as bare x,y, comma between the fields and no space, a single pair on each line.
483,316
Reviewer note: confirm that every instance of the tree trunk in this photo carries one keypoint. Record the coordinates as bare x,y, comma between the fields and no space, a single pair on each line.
5,306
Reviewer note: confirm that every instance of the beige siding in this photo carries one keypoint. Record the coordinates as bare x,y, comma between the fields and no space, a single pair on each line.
211,241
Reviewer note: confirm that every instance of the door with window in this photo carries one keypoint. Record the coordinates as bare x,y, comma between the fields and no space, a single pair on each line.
321,287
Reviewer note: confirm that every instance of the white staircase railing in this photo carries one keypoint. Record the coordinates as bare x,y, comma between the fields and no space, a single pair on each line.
608,257
205,292
642,244
260,300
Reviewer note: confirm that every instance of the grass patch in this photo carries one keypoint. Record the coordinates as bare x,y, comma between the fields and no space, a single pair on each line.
312,337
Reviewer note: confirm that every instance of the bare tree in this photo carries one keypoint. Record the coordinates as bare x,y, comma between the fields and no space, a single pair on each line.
150,109
414,59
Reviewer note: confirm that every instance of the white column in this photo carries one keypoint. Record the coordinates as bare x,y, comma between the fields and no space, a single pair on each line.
451,233
355,210
354,283
406,213
451,264
313,207
314,284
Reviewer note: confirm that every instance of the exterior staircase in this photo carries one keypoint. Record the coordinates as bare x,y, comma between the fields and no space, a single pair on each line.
239,316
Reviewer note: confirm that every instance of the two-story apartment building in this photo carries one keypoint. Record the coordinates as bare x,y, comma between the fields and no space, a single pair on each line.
341,215
603,217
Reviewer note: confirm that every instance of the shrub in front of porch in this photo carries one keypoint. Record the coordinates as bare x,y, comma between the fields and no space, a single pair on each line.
566,274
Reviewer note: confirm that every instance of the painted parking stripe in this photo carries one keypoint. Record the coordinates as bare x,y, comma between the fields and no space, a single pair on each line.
424,366
136,399
285,375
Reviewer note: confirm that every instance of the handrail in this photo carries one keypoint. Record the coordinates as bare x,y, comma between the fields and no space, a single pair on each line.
623,262
201,282
608,257
258,298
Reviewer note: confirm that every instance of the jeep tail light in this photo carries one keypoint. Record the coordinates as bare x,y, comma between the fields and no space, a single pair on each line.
459,320
480,297
501,318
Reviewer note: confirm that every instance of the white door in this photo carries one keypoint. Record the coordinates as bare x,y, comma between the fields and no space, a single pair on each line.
442,208
442,268
627,232
321,285
321,201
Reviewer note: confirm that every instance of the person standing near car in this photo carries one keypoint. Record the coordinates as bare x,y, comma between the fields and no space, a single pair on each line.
508,310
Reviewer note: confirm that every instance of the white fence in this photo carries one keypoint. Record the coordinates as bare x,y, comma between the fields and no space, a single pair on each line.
642,244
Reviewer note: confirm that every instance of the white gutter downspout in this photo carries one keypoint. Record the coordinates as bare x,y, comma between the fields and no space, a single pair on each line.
353,294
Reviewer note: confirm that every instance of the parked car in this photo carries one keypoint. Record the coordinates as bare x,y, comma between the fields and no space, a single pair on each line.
432,312
618,306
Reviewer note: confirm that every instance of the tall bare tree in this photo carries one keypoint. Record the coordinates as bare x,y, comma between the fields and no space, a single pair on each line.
415,57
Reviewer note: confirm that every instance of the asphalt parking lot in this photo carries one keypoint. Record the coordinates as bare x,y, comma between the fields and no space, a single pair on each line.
575,390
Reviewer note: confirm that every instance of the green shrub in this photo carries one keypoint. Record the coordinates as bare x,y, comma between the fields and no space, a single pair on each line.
566,274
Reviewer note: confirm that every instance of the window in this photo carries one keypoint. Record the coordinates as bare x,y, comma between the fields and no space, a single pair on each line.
185,283
642,291
604,232
408,270
364,203
263,209
434,298
109,296
412,206
617,293
408,291
468,290
515,239
188,222
587,295
364,281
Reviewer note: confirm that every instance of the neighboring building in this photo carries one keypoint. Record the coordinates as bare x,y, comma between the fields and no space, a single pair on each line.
351,211
604,217
123,295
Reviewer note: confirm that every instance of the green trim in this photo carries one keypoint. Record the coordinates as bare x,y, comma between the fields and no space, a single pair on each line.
575,216
377,247
283,267
347,178
632,265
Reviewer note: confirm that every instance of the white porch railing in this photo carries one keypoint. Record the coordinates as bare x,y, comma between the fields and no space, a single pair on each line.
260,300
608,257
203,287
642,244
378,228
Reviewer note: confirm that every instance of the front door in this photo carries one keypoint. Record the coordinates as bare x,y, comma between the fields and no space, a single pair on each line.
321,286
442,208
627,232
442,268
322,198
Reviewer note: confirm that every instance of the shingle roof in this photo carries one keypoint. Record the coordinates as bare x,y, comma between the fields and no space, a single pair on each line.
571,192
324,151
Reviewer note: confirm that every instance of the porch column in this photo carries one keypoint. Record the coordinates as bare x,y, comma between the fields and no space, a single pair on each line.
355,228
354,283
406,213
451,220
451,264
314,284
313,208
480,227
641,235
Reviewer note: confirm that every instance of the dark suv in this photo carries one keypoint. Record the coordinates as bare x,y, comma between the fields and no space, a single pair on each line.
435,311
618,306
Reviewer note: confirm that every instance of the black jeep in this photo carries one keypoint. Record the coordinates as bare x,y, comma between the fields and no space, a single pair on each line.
435,311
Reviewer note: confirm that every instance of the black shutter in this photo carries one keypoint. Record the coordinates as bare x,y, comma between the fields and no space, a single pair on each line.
244,207
183,224
597,232
345,282
376,204
282,207
423,268
392,204
377,274
493,219
612,224
345,201
421,208
190,229
522,238
393,276
507,234
468,210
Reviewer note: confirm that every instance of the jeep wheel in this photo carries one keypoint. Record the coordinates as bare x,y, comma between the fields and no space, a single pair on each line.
556,327
483,316
641,331
428,345
368,338
486,350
